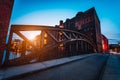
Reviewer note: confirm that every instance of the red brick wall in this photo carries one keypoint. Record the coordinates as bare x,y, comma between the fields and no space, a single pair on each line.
5,14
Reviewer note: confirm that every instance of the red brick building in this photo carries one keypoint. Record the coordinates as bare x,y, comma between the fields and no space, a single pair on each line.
5,14
88,23
105,45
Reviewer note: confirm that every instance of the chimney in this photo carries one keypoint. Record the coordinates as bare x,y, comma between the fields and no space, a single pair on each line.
61,24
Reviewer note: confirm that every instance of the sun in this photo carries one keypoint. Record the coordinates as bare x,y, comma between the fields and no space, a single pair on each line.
31,34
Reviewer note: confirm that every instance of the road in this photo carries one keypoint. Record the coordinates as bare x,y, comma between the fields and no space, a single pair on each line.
96,67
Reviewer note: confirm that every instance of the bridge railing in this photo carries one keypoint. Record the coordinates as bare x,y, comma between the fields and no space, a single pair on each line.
50,43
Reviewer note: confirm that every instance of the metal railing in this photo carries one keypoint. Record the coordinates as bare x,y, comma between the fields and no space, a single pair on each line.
51,43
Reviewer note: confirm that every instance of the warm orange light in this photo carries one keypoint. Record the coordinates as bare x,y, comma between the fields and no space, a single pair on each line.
61,26
61,45
45,35
118,44
35,43
31,34
60,33
45,41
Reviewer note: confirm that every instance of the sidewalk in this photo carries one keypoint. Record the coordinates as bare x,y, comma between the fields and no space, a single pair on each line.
112,70
29,68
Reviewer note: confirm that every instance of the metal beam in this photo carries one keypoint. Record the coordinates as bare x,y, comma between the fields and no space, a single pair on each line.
65,35
51,36
23,37
51,28
8,49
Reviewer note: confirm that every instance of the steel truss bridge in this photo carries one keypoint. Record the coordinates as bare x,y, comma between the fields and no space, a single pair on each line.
50,44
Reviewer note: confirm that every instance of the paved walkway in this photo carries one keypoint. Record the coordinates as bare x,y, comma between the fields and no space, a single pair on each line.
93,67
85,69
24,69
112,69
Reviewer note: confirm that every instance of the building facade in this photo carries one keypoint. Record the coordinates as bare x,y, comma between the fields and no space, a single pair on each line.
5,14
105,45
87,23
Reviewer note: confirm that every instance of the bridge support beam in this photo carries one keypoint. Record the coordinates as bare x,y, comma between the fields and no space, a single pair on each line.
5,63
72,40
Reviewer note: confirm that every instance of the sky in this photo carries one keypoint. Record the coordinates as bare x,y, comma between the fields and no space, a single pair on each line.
49,12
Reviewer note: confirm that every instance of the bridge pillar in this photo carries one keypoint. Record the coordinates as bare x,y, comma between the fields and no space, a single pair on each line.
85,47
81,46
5,63
41,39
23,48
77,44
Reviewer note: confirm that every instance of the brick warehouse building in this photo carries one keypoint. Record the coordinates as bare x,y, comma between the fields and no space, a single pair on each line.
5,14
105,44
88,23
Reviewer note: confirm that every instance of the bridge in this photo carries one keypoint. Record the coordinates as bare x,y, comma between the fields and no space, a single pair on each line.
50,44
55,54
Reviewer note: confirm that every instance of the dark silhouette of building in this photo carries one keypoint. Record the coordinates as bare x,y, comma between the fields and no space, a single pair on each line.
88,23
114,48
61,24
5,14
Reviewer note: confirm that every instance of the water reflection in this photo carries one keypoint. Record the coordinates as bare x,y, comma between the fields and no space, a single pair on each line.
14,55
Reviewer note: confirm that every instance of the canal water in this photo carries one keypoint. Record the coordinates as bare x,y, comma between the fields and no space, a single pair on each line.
14,55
